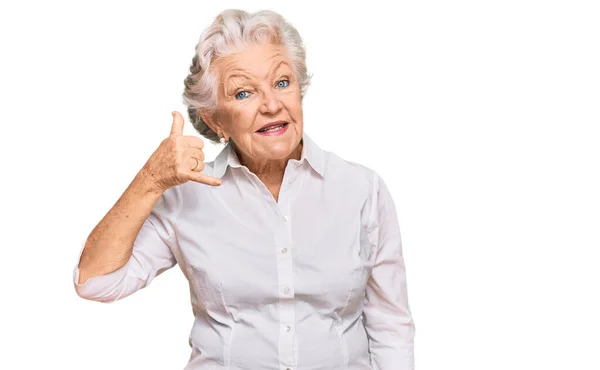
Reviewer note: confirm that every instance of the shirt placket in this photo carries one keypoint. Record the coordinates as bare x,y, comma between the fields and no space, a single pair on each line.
285,273
282,232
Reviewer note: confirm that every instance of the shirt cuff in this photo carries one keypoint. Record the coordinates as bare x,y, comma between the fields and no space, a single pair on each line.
98,288
400,357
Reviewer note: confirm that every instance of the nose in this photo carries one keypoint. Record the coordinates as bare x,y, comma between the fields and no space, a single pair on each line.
270,102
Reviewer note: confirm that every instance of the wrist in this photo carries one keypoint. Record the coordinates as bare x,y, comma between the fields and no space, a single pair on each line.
143,184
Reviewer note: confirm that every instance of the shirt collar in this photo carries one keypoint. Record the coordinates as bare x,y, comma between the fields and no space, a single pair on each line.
310,152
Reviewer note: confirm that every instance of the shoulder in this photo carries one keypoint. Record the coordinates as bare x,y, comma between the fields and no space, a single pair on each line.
359,184
351,172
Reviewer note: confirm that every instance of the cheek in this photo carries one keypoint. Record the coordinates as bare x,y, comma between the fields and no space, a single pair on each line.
241,116
292,101
294,107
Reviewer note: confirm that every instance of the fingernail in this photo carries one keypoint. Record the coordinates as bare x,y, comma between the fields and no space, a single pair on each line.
173,114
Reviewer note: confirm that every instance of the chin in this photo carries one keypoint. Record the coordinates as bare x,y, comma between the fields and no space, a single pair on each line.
280,151
283,148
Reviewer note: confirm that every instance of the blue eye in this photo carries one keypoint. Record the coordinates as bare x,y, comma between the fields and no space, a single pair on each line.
239,95
283,83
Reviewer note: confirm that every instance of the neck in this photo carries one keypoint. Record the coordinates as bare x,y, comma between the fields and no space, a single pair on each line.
269,170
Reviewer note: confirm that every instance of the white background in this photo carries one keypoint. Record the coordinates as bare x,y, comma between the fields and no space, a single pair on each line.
481,116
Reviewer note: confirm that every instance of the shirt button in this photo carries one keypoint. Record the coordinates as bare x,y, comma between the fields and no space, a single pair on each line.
286,290
285,218
288,328
284,250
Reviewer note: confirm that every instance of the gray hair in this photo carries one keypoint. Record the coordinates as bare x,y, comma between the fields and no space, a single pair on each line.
232,31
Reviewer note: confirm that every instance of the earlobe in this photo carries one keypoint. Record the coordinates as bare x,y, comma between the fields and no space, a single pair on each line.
208,119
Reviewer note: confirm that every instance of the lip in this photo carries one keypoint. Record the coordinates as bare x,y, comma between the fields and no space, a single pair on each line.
275,133
274,123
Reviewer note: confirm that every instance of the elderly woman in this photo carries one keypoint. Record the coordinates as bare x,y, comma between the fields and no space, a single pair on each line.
293,254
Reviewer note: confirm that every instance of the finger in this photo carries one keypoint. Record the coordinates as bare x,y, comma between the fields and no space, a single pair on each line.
194,163
205,179
177,126
193,142
194,153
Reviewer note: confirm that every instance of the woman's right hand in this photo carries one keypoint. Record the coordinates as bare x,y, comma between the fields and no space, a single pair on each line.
177,160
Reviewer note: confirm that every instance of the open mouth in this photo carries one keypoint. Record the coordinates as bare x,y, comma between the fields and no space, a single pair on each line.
273,128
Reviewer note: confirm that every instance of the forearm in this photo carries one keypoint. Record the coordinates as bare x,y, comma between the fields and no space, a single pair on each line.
109,245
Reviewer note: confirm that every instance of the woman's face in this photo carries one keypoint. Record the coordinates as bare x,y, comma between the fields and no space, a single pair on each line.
258,86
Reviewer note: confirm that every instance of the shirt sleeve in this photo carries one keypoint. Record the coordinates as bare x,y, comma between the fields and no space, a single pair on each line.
386,313
151,256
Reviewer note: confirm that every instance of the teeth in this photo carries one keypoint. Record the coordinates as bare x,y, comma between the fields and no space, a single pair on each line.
273,128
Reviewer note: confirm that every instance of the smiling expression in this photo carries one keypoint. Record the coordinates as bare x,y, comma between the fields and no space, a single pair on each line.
258,86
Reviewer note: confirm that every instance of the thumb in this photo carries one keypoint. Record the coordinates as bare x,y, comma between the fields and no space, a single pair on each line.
177,126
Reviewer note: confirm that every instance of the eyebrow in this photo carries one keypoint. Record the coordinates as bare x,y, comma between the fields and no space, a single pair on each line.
226,82
229,77
281,63
274,68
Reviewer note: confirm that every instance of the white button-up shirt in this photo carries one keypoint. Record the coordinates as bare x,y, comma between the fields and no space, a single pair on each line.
315,280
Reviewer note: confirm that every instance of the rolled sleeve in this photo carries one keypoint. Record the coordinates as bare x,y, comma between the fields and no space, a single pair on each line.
387,317
103,288
151,256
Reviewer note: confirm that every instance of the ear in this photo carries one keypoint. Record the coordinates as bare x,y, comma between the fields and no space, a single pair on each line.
208,118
